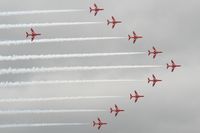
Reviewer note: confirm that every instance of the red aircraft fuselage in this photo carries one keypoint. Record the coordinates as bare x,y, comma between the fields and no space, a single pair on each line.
154,80
113,22
173,66
96,9
99,123
134,37
116,110
154,52
136,96
33,34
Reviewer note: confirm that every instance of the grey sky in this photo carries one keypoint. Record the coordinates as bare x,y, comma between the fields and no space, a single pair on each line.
172,26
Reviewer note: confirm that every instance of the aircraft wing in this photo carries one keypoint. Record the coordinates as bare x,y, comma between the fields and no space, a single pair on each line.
113,19
154,48
95,13
173,69
134,33
116,107
33,37
136,99
99,127
154,56
134,40
95,6
136,93
32,30
153,83
116,114
172,62
154,77
99,119
113,26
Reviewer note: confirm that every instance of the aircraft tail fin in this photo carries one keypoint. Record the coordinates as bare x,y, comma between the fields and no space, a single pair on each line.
26,34
167,65
131,96
90,9
129,37
149,52
111,110
108,22
149,80
94,123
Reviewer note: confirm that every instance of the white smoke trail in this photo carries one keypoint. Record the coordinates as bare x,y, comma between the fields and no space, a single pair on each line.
41,125
9,26
14,13
72,68
23,83
49,99
48,111
22,42
56,56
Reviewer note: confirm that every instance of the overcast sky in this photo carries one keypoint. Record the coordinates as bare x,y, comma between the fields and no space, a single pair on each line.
171,106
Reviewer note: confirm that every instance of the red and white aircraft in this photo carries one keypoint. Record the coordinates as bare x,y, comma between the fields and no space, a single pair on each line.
113,21
173,65
95,9
134,37
154,80
116,110
154,52
136,96
99,123
33,34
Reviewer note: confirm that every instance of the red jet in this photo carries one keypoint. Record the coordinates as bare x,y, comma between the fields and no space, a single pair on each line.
116,110
136,96
154,80
173,65
99,123
114,22
154,52
134,37
95,9
33,34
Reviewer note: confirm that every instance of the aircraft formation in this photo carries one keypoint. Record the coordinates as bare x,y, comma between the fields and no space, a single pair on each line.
135,96
154,53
